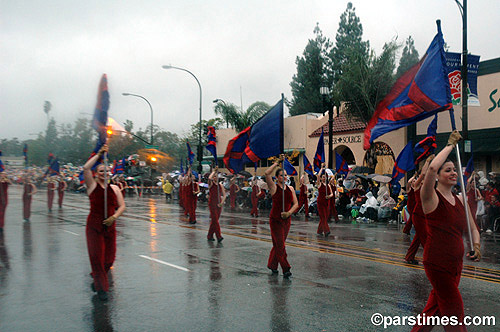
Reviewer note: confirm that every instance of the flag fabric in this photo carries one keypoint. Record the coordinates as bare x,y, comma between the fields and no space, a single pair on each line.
81,178
426,147
212,142
100,119
307,165
468,169
404,163
190,154
53,168
113,169
289,169
2,167
319,157
120,166
182,169
25,154
341,165
419,93
261,140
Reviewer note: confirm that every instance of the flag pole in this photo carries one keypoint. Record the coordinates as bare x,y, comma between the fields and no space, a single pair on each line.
283,151
105,185
462,186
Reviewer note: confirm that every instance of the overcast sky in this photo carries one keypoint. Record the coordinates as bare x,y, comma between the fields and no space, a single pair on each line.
57,50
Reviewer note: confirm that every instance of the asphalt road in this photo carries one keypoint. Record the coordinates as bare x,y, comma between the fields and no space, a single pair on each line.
168,277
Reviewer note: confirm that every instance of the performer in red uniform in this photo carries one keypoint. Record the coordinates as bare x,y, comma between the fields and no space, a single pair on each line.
51,188
332,209
233,189
101,229
324,195
444,248
216,198
279,218
4,198
303,194
417,214
192,190
255,197
29,189
60,190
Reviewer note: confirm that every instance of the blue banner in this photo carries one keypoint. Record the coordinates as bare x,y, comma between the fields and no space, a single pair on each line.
454,63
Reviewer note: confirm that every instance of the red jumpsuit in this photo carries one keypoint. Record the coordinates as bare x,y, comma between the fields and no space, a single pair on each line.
410,205
192,200
4,200
279,229
214,198
418,217
27,189
181,195
323,209
101,239
255,201
333,209
60,193
50,194
303,199
232,195
443,255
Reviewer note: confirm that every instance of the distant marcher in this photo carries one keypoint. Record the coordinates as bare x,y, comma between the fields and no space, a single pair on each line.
233,189
216,198
62,186
324,196
51,188
29,189
255,197
4,198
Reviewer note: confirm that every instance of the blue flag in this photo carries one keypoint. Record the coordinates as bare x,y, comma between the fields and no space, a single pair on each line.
404,163
289,169
421,92
426,147
341,164
307,166
182,169
53,168
212,142
190,154
25,154
2,167
261,140
319,157
100,120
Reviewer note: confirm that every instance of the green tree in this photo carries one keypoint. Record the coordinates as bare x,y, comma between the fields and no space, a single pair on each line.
51,134
409,57
237,119
312,73
348,43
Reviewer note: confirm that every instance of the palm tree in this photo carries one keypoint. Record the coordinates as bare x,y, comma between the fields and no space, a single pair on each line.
240,120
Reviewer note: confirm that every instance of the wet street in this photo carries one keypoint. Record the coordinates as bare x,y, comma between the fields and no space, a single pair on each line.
168,277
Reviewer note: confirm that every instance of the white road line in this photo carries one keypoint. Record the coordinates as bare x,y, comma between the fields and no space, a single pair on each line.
71,232
165,263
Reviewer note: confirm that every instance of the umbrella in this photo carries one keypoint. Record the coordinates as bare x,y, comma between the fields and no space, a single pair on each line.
361,169
203,184
246,188
329,172
245,174
382,178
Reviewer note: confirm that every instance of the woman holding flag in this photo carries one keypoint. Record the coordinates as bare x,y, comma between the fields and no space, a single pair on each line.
255,197
324,196
61,187
51,188
216,198
284,203
4,196
304,180
444,248
233,189
29,189
101,228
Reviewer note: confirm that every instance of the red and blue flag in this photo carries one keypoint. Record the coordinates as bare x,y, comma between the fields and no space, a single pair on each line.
421,92
289,169
53,168
319,156
404,163
190,154
100,119
307,166
182,169
426,147
2,167
212,142
341,165
261,140
25,154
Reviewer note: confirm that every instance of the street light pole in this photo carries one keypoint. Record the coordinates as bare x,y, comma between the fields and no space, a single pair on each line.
150,107
324,92
200,149
465,116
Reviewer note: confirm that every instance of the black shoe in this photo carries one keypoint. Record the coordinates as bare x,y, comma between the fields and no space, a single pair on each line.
287,274
211,239
412,262
220,239
273,271
192,222
327,233
93,287
102,295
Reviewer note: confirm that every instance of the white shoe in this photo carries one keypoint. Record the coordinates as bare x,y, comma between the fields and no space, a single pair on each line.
488,231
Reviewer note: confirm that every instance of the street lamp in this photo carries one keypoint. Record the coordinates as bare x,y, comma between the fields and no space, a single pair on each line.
150,107
200,149
324,91
218,100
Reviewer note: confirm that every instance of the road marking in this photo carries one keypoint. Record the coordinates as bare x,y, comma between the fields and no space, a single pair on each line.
71,232
165,263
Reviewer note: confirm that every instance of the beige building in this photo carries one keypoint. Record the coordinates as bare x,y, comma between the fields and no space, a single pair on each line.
301,133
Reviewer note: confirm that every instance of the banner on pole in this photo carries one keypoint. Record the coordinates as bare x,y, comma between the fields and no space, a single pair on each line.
454,63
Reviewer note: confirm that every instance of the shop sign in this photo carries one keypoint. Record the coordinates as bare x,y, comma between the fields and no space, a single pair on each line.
349,139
